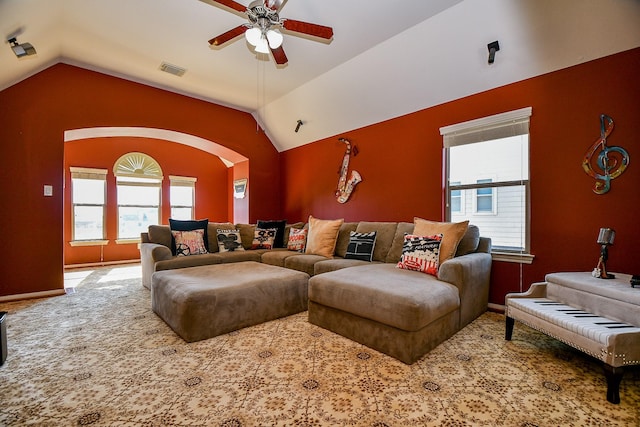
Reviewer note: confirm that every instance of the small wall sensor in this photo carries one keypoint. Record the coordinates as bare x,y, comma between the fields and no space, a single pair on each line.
493,48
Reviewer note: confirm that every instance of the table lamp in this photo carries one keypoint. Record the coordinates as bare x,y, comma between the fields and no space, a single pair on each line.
605,239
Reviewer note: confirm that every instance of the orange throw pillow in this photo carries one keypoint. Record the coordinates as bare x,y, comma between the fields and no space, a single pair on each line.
452,233
322,236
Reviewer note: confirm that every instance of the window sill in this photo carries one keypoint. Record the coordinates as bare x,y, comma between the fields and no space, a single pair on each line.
127,241
521,258
89,242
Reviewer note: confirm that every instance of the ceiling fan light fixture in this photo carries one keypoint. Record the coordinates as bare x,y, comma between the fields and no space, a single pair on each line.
253,36
275,39
262,46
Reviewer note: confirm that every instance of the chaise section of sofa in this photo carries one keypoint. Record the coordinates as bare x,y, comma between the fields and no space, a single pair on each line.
404,313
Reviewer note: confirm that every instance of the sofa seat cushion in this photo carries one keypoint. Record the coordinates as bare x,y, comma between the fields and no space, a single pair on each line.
407,300
188,261
278,256
303,262
337,264
240,256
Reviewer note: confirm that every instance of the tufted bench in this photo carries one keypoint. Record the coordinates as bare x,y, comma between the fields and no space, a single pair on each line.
206,301
598,317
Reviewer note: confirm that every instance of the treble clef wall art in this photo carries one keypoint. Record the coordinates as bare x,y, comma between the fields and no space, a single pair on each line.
611,161
346,187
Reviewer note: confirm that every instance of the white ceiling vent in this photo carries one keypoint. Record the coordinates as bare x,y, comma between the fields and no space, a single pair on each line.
172,69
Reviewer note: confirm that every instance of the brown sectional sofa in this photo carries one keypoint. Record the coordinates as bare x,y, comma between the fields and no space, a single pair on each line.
398,312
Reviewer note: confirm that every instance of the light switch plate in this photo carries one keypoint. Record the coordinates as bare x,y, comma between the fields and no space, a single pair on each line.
48,190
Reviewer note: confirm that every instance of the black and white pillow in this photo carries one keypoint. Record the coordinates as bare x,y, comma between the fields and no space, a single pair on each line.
361,246
263,238
229,240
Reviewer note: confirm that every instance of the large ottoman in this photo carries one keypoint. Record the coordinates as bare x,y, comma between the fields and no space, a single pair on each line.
206,301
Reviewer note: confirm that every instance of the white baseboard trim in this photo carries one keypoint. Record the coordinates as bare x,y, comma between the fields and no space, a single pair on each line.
101,264
497,307
32,295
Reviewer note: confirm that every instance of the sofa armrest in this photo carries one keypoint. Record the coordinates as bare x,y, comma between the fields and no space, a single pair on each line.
150,253
471,274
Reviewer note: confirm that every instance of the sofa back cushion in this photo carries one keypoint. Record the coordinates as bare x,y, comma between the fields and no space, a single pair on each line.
469,242
395,252
343,238
385,233
213,228
160,234
247,233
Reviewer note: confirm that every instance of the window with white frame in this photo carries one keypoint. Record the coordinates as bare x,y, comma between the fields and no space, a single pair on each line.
88,198
181,196
139,184
487,168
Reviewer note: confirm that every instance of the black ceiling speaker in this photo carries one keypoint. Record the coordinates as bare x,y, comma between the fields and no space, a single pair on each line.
21,49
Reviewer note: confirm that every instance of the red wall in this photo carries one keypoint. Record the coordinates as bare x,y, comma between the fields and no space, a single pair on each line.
174,159
401,162
33,117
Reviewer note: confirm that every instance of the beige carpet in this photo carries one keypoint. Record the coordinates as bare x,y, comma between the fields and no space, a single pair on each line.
101,357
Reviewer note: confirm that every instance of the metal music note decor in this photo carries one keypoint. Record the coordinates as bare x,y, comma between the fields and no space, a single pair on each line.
346,187
611,161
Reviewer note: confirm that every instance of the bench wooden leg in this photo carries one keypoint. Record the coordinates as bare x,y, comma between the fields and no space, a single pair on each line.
614,376
509,328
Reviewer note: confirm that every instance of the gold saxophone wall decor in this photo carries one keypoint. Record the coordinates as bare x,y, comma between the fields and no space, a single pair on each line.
611,161
345,187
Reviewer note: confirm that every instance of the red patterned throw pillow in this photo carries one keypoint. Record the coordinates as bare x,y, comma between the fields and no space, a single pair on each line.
421,253
297,239
189,242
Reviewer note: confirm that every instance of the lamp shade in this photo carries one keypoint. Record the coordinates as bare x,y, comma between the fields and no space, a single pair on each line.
606,236
275,39
253,36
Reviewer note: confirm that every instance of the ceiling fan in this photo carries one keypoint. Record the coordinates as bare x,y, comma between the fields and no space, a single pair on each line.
262,30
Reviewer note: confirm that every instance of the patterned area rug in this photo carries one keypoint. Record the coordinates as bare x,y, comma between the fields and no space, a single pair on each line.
99,356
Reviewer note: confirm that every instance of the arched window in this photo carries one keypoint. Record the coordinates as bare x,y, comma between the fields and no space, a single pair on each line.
139,184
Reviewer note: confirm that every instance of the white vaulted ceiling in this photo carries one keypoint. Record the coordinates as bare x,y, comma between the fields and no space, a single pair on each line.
387,58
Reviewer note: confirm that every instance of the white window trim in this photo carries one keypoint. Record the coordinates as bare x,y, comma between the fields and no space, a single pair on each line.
88,173
143,167
518,120
184,181
497,126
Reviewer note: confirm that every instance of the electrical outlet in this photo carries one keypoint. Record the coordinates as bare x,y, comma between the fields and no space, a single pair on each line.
48,190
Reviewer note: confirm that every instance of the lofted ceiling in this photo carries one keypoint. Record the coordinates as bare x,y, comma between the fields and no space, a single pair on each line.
386,59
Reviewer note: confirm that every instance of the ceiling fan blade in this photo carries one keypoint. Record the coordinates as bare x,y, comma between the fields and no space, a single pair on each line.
279,56
231,4
306,28
274,4
229,35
